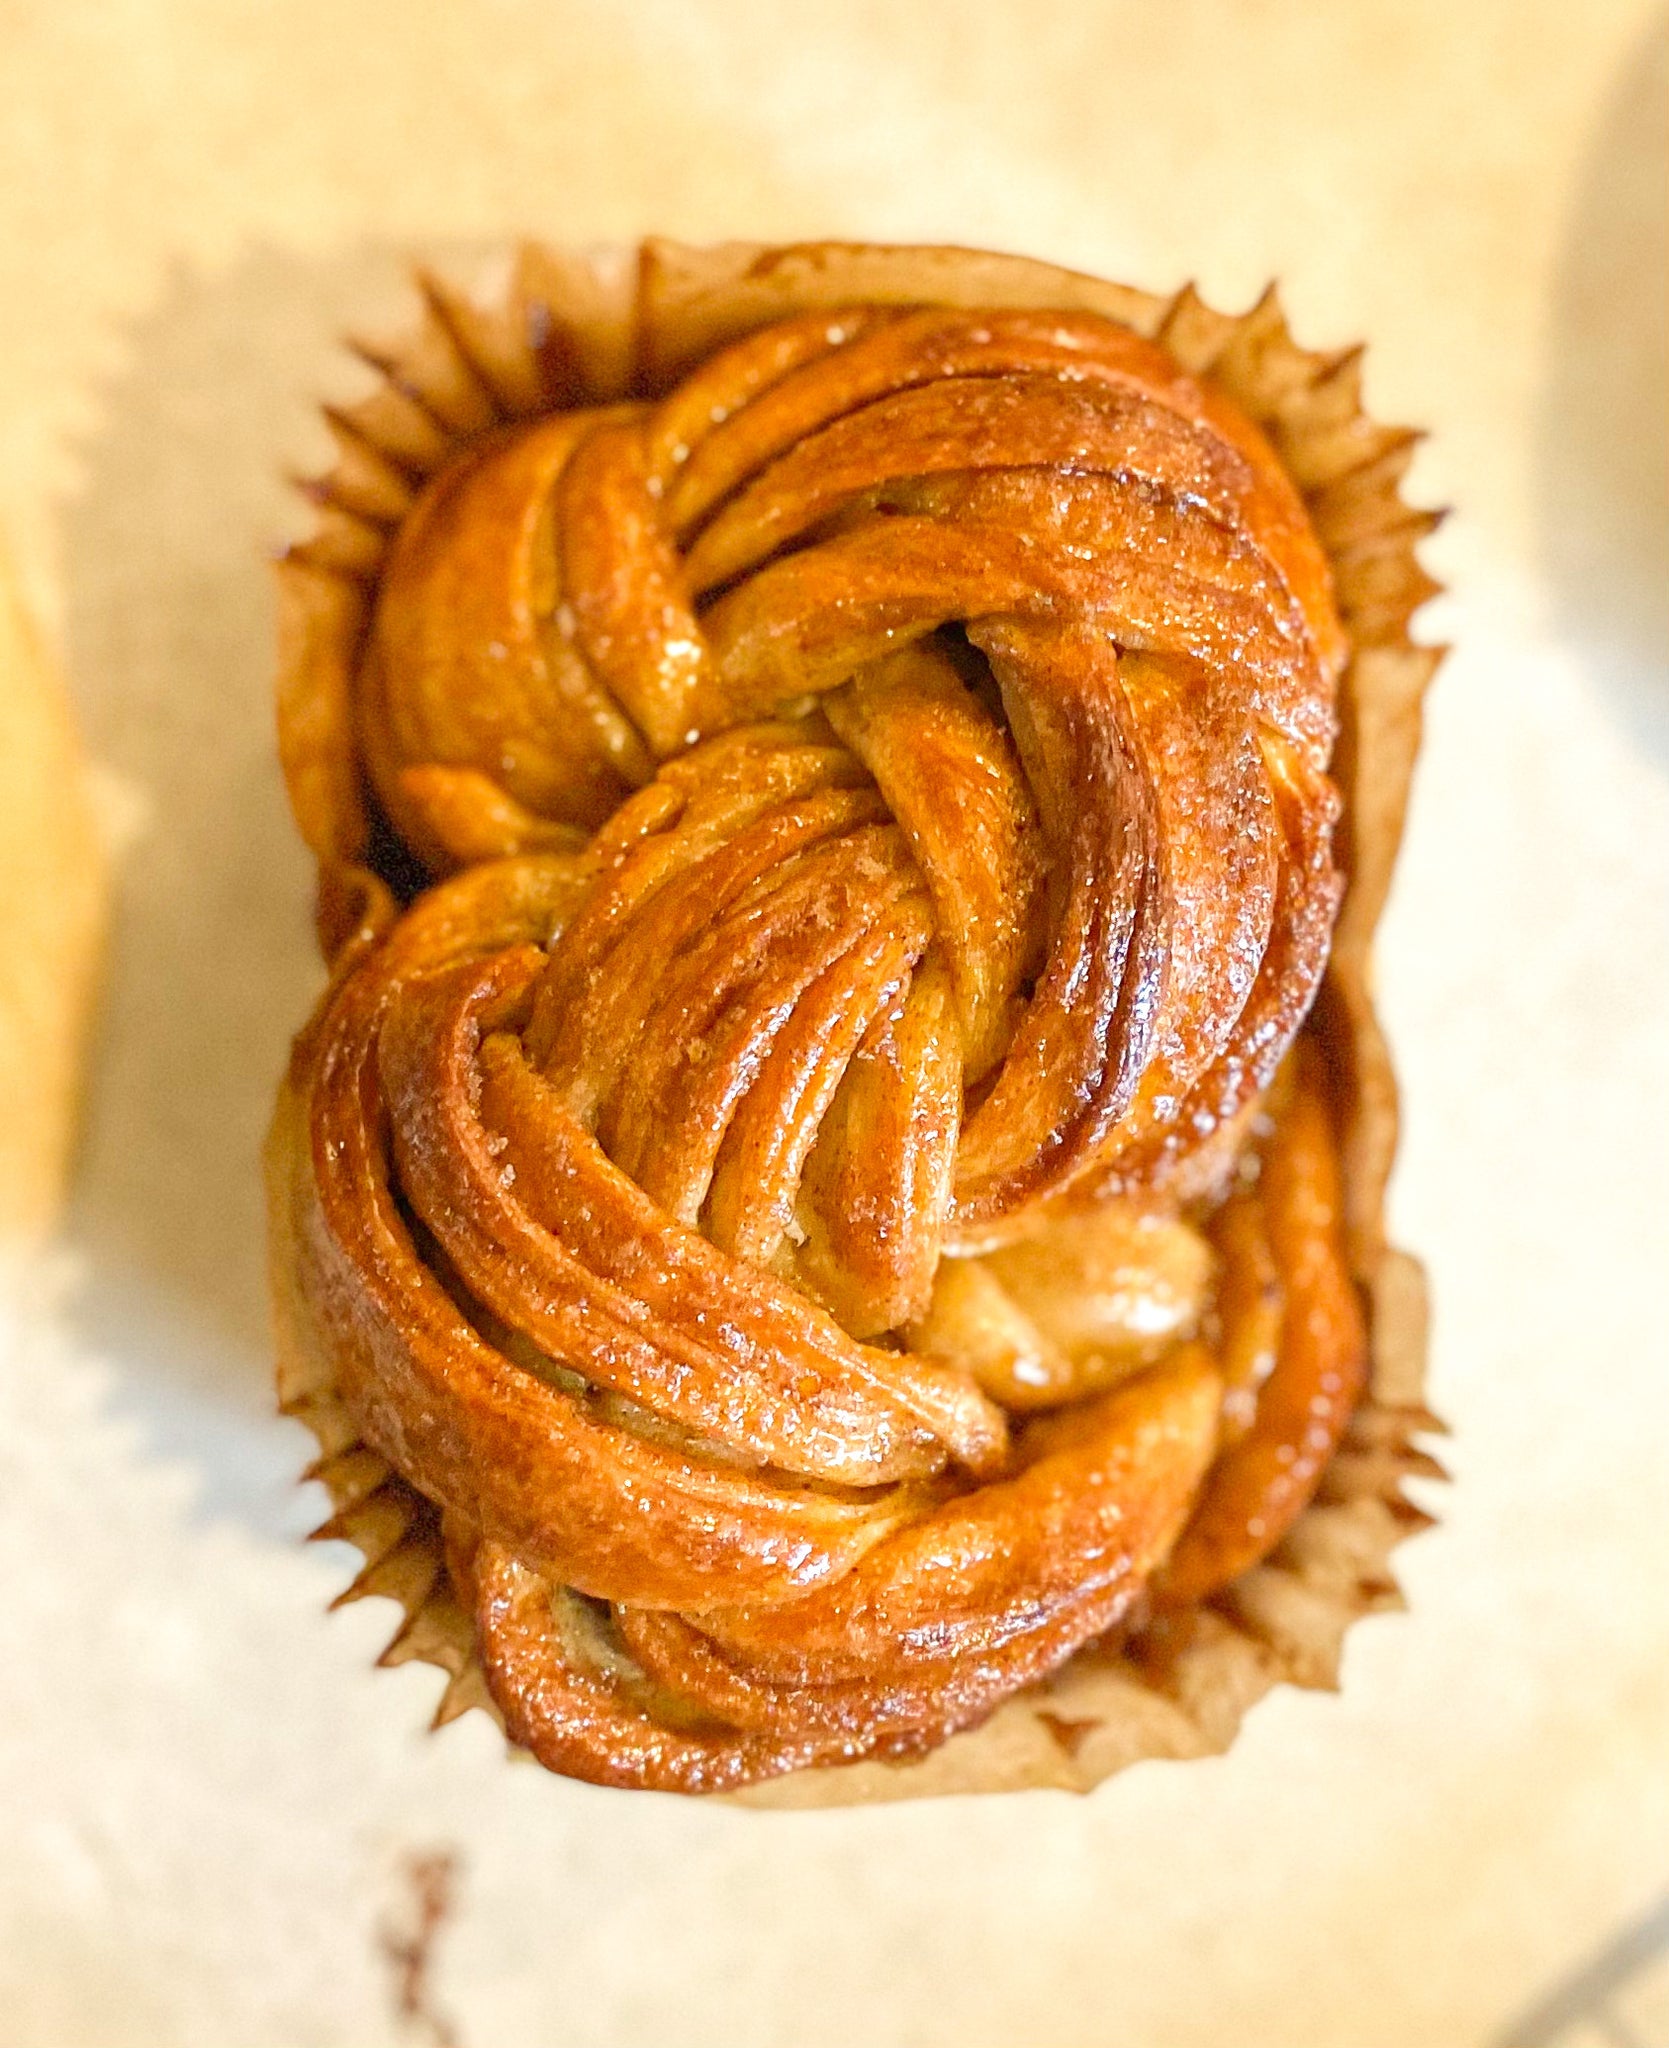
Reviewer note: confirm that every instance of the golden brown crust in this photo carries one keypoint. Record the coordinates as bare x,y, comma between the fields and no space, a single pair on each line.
422,1041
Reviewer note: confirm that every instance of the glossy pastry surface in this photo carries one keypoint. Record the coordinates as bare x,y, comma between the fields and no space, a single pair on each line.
809,1163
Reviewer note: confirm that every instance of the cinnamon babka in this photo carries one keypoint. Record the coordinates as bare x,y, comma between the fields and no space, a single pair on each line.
820,1211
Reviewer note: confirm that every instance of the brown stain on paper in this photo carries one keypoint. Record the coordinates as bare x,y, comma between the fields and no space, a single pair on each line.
408,1943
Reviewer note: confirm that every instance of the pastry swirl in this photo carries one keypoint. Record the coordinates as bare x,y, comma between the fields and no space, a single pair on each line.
819,1188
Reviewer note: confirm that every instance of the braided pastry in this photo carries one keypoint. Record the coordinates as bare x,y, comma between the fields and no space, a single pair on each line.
806,1183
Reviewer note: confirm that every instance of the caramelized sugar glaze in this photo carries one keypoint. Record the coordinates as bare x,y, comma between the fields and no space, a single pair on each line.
807,1164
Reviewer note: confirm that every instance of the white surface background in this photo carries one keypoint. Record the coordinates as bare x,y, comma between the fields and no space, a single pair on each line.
205,1792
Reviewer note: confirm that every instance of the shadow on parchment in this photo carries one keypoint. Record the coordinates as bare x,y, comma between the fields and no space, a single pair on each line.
169,639
1604,454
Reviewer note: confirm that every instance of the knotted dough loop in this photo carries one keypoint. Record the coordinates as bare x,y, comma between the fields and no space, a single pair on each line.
803,1192
1063,606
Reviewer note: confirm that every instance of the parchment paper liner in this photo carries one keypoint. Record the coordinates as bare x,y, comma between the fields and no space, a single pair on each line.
565,329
